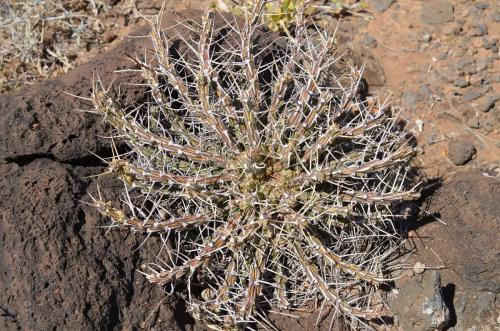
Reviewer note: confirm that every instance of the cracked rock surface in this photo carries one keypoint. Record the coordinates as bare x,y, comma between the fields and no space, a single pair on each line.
58,267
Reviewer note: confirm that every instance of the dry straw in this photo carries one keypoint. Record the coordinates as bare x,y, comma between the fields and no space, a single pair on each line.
267,172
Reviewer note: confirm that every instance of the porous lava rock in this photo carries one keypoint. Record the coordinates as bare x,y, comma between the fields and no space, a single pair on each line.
60,269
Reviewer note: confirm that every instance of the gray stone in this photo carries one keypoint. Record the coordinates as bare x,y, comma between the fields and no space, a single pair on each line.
442,56
453,29
473,122
434,307
481,5
492,59
487,104
474,14
481,64
410,99
380,5
441,11
477,80
368,40
425,92
460,82
462,63
420,305
472,94
496,16
469,69
460,152
478,30
447,74
487,123
488,44
485,89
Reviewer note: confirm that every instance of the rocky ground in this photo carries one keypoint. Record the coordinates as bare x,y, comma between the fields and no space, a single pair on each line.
439,60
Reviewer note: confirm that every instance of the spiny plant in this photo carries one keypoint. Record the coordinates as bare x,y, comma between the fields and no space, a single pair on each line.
269,175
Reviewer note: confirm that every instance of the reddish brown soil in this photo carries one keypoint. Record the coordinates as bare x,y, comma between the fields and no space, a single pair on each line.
60,270
426,70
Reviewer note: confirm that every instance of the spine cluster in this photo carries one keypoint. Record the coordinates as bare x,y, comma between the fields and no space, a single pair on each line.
270,177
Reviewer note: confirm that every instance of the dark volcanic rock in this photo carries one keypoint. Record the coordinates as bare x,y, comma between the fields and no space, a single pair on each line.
475,221
59,268
42,119
468,248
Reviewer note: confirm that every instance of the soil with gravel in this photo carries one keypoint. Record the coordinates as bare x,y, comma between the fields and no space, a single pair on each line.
60,269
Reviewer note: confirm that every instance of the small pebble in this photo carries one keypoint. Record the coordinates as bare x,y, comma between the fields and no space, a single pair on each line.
496,16
488,44
419,268
469,69
410,99
380,5
485,89
472,94
420,125
478,30
462,63
442,57
460,152
447,74
425,92
108,36
491,59
476,80
427,37
481,64
487,104
460,82
473,122
440,12
481,5
368,40
452,30
487,123
459,53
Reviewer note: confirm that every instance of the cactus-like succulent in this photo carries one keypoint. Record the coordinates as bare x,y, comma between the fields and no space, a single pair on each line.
268,174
